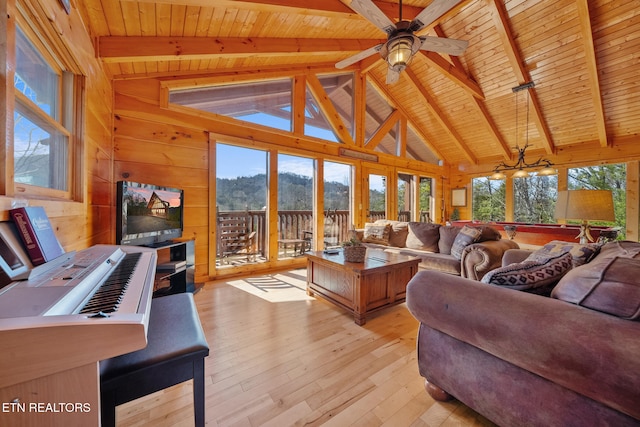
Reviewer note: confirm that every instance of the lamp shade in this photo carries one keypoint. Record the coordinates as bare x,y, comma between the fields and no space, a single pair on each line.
585,205
547,171
497,176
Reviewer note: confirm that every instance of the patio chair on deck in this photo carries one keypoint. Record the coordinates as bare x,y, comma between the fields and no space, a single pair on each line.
235,236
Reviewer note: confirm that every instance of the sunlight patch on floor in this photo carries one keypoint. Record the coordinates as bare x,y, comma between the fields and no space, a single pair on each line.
279,287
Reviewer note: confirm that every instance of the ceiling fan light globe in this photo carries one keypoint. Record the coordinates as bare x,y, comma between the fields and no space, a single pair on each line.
400,51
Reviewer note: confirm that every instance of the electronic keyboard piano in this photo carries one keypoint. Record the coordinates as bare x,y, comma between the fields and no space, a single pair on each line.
58,324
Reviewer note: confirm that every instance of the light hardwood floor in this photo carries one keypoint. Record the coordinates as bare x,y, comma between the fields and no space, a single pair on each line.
281,358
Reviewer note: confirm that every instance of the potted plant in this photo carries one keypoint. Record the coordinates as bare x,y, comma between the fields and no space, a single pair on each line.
354,250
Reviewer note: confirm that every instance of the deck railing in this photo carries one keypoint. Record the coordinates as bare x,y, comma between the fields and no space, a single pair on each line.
292,224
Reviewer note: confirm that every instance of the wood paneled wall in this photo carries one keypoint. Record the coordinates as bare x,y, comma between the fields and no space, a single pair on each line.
88,219
153,149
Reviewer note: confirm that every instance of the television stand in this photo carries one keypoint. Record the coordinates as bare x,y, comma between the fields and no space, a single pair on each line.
162,244
175,271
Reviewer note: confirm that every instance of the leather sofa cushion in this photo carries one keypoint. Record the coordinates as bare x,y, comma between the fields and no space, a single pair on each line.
447,236
609,285
530,274
423,236
435,261
622,248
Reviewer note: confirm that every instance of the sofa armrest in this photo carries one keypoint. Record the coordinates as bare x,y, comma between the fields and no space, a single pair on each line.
591,353
514,256
480,258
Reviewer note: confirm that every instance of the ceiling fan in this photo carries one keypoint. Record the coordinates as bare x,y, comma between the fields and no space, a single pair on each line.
402,43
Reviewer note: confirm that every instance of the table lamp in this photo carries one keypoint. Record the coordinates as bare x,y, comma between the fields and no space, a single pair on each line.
585,206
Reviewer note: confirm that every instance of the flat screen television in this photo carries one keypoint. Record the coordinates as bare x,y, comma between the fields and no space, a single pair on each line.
147,214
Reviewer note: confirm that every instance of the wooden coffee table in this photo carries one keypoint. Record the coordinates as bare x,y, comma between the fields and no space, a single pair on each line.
361,288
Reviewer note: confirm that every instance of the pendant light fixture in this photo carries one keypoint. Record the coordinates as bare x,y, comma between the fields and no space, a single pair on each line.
521,165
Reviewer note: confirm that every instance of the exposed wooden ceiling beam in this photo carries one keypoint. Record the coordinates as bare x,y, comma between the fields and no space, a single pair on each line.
452,70
402,149
329,111
501,21
166,48
478,103
383,88
392,10
367,64
439,116
383,130
592,67
328,6
313,7
453,73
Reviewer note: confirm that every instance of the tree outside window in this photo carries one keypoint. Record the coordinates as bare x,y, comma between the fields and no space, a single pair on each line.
488,199
535,199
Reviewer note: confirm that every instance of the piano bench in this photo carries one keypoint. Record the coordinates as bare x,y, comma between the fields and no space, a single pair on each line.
175,352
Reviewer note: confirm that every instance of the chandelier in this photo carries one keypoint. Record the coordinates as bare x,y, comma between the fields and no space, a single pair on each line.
521,165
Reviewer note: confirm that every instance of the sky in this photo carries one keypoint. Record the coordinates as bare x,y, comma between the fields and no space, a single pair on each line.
168,196
235,161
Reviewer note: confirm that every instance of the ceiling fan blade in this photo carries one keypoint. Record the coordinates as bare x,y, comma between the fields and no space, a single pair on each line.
358,56
372,13
432,12
453,47
392,76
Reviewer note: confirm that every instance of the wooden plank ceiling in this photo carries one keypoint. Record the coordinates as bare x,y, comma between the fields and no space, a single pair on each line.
582,55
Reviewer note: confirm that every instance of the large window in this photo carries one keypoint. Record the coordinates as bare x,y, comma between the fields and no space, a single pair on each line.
377,197
337,203
406,206
45,101
488,199
295,204
534,199
241,205
425,193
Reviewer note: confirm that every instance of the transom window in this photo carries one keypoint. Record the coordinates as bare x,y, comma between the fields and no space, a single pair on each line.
266,103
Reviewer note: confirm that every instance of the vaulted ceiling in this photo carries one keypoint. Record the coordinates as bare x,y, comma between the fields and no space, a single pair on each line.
583,57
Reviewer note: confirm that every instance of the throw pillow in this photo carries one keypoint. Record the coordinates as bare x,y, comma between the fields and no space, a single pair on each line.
398,233
609,285
377,233
581,254
465,237
423,236
447,236
530,274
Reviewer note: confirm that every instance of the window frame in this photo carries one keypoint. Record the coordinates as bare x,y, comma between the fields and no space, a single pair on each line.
67,122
